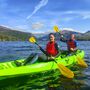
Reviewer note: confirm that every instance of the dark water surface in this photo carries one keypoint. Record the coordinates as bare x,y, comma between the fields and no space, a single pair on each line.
50,80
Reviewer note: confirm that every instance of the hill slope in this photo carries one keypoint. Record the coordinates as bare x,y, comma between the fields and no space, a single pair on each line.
79,36
7,34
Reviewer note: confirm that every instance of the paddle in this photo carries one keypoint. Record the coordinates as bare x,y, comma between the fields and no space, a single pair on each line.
80,61
64,70
33,40
56,29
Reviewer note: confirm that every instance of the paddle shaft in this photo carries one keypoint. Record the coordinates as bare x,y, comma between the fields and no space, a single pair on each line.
41,49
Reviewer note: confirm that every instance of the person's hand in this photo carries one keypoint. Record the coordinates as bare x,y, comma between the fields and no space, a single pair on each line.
51,57
61,36
71,49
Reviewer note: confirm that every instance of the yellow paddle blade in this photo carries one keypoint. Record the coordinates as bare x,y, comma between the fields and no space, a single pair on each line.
65,71
32,39
56,29
81,62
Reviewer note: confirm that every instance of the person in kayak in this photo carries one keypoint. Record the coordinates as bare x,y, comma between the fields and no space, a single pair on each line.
52,49
71,43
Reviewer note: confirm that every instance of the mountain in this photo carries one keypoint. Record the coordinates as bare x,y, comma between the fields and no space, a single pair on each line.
7,34
87,33
84,36
66,33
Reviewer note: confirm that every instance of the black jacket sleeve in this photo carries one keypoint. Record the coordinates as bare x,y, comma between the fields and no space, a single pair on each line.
62,38
57,47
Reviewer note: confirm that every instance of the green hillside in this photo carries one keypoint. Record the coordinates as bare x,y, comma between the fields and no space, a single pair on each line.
7,34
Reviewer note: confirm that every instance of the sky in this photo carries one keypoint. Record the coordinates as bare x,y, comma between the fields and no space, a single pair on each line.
41,15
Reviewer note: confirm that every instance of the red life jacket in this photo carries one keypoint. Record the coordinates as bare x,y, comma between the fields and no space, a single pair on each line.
71,44
51,49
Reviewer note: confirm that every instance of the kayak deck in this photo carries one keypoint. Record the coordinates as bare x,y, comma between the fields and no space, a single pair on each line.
11,69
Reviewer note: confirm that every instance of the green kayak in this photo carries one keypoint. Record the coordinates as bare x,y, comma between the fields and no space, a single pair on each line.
9,69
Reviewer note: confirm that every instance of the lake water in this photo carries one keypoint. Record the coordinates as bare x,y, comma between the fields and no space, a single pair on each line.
50,80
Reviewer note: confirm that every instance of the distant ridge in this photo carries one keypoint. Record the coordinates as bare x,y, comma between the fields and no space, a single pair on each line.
7,34
79,36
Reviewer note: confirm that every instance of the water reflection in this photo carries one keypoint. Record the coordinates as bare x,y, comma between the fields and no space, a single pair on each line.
51,80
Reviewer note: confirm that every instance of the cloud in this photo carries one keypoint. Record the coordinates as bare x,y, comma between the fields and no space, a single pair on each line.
69,15
67,19
41,4
29,28
61,16
86,17
37,25
70,29
21,27
83,14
